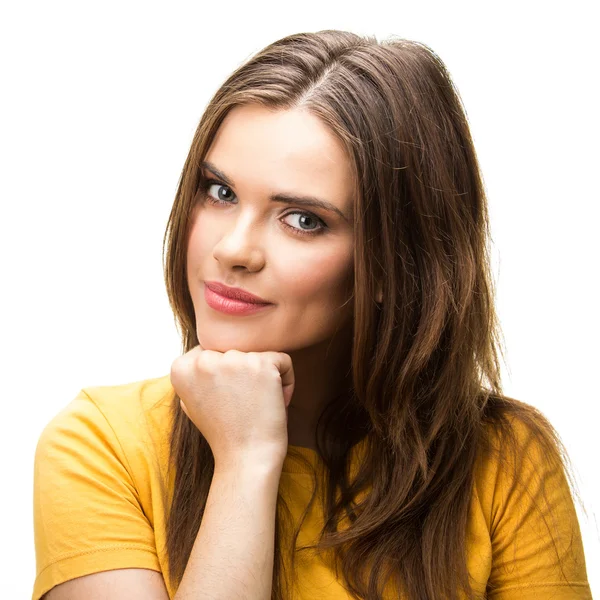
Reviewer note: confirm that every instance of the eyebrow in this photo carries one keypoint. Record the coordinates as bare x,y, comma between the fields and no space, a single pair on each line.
308,201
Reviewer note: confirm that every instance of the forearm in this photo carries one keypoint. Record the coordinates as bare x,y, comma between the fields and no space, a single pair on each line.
232,557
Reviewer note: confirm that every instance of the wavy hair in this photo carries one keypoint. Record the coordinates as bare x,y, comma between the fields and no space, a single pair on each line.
425,363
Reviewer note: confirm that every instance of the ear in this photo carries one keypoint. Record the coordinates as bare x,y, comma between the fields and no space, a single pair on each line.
379,297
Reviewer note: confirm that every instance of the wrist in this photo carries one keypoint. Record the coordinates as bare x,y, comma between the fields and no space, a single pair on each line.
258,461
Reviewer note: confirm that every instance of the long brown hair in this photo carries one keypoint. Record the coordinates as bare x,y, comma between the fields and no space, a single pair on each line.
425,364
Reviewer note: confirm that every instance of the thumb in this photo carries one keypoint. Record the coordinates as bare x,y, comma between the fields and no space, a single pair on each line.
285,367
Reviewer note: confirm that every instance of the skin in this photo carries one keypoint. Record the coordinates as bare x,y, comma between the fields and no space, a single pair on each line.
244,243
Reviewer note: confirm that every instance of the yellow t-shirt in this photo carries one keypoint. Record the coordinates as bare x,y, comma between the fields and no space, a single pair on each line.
100,468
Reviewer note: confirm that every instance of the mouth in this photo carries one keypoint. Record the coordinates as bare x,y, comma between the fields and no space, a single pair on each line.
234,293
232,306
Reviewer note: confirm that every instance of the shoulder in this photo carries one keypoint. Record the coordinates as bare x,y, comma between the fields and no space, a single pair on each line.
119,416
522,464
133,407
515,440
130,400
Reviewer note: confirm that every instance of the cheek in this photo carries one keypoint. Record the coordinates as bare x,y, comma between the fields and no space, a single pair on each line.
324,278
199,244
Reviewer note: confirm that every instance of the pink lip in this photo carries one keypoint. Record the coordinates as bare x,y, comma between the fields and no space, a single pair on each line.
234,293
229,305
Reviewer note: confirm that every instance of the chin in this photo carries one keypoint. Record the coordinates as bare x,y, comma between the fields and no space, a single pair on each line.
222,344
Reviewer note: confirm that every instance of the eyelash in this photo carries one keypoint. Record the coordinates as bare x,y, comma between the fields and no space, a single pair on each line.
205,185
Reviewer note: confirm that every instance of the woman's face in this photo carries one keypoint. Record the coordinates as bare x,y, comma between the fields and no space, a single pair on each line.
299,258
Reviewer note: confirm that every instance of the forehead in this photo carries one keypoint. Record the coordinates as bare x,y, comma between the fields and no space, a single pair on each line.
282,150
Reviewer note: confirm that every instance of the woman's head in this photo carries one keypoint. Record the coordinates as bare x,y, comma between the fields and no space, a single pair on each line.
378,130
298,257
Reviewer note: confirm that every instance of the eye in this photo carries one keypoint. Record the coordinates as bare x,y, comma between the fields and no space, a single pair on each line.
224,195
304,216
220,195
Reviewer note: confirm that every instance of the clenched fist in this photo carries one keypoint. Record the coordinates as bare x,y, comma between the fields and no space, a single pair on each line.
238,400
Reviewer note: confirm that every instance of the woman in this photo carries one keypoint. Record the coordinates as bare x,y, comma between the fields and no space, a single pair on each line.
346,403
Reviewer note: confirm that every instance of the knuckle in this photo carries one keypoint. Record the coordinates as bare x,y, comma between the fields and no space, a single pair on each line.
231,358
177,367
256,361
174,366
203,362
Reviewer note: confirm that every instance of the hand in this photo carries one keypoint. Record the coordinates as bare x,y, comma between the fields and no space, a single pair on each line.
238,400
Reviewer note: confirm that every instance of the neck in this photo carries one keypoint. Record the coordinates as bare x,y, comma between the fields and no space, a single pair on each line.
321,373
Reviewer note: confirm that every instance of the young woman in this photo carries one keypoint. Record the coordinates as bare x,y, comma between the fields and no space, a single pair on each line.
335,427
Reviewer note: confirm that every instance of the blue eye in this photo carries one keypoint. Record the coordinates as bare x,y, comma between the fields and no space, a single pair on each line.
220,196
225,197
305,216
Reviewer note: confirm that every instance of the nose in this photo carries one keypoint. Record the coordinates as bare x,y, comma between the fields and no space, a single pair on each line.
239,246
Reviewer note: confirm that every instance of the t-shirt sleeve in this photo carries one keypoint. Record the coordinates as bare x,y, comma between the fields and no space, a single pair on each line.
537,549
87,513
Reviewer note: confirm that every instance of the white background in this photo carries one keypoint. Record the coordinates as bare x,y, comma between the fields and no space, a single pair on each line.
99,104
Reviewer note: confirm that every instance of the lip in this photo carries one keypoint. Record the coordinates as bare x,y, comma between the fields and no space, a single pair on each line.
234,293
231,306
